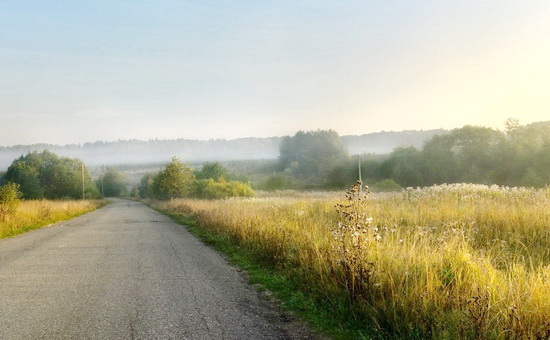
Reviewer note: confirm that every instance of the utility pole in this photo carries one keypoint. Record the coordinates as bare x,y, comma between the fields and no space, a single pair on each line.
360,177
82,171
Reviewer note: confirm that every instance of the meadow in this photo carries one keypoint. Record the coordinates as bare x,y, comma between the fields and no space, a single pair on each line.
34,214
450,261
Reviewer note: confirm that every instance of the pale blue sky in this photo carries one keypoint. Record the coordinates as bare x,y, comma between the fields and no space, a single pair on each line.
77,71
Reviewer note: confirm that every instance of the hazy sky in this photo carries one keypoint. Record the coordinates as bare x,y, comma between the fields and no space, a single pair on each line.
77,71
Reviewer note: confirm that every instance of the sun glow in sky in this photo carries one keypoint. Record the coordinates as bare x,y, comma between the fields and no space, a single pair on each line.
78,71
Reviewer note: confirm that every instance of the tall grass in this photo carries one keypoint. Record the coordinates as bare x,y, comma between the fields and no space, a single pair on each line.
451,261
35,214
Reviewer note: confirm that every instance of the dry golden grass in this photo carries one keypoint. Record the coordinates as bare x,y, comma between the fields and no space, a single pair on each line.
35,214
452,261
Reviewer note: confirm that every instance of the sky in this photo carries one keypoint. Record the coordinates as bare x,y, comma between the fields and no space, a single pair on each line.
81,71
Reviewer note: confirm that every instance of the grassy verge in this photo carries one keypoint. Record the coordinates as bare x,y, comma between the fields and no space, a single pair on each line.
318,311
447,262
32,215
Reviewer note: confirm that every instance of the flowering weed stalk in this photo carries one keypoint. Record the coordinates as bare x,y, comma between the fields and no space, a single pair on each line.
354,236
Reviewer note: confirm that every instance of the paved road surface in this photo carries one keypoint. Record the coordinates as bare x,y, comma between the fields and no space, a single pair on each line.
126,272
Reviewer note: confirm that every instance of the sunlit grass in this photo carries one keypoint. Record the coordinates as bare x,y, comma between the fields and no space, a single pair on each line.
452,261
35,214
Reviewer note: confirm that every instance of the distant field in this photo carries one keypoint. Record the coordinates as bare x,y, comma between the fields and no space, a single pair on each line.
36,214
451,261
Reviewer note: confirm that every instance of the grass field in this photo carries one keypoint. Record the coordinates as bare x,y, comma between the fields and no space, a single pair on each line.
36,214
451,261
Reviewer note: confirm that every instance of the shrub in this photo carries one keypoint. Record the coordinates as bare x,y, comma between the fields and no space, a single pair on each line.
10,198
216,171
386,185
276,182
174,181
208,188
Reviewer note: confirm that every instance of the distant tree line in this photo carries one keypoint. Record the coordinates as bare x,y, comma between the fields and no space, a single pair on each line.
518,156
177,180
132,152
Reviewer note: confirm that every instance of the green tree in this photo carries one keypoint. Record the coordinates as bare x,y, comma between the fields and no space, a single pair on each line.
529,150
512,125
46,175
542,164
276,182
28,179
475,150
312,154
63,179
145,187
439,164
174,181
214,171
405,166
113,183
342,175
346,174
531,179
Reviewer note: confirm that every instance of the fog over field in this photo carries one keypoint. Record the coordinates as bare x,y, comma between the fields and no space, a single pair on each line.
160,151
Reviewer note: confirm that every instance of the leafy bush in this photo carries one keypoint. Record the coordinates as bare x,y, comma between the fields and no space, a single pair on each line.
386,185
10,198
276,182
174,181
208,188
216,171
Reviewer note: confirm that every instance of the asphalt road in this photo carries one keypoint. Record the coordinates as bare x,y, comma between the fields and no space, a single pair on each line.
127,272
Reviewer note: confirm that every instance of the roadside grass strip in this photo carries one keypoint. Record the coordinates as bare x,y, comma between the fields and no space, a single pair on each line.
34,214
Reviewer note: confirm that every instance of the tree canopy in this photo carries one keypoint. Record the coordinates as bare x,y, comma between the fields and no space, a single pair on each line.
174,181
113,183
46,175
213,171
312,154
518,156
